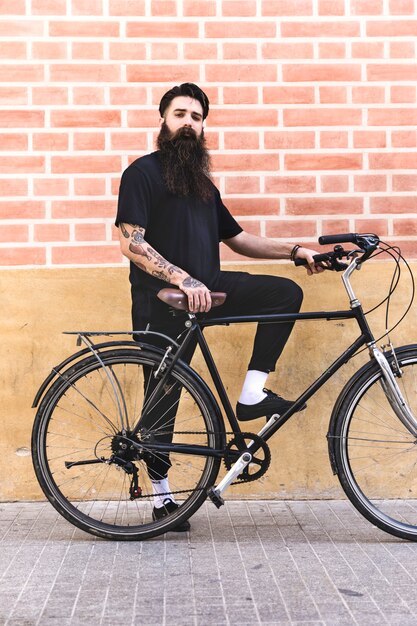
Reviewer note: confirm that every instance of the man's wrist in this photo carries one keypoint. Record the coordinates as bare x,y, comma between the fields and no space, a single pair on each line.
293,253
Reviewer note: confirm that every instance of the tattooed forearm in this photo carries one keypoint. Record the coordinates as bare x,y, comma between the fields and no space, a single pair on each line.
191,283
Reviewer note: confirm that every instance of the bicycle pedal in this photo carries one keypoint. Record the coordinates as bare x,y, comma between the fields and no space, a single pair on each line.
215,498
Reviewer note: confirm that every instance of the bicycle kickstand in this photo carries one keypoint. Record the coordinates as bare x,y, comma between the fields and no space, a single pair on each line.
215,493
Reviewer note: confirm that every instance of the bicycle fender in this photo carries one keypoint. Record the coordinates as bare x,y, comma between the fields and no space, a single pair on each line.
365,369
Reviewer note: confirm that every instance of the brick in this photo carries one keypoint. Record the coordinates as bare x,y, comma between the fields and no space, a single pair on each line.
64,209
51,186
316,28
49,7
272,8
366,94
83,28
90,232
333,139
92,7
166,73
22,256
89,141
366,7
334,184
392,71
53,50
391,28
293,50
129,141
330,227
322,206
51,232
50,142
21,28
29,73
203,8
402,49
87,50
126,8
394,204
13,141
240,95
163,30
168,8
131,94
88,95
322,117
79,164
401,7
404,138
377,226
369,139
403,94
331,7
242,29
13,187
79,255
336,95
332,50
242,184
13,95
85,118
404,182
240,140
18,7
288,229
50,95
405,227
18,233
22,164
370,182
243,117
247,72
85,72
13,50
367,49
127,50
329,72
142,119
289,139
290,184
164,51
205,51
252,206
237,51
245,162
22,209
343,161
288,95
393,161
392,117
90,186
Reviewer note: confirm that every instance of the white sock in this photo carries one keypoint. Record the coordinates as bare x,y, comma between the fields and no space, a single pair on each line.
161,487
252,390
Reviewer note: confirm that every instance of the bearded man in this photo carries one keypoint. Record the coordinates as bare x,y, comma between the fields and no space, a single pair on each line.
171,220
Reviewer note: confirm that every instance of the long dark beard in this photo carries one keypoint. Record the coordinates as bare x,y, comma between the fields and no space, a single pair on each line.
185,163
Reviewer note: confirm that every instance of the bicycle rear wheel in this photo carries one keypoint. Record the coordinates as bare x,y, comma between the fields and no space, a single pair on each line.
93,469
376,456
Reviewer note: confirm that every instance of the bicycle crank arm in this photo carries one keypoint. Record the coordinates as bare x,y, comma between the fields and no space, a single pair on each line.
393,393
215,493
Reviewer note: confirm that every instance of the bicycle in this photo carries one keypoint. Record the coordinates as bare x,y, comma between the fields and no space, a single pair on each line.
91,452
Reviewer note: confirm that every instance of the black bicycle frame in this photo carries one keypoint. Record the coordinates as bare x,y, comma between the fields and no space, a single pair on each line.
195,332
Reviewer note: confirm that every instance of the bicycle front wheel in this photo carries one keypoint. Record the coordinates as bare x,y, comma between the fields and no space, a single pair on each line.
88,458
375,454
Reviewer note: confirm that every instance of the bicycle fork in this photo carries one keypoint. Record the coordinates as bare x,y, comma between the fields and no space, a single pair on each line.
392,390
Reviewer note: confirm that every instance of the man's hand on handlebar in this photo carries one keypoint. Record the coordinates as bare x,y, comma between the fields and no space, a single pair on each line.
199,298
307,254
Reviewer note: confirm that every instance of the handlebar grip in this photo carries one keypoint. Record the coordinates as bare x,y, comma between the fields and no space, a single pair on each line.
317,257
347,238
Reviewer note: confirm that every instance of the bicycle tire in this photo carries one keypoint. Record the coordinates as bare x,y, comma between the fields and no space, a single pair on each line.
375,455
79,419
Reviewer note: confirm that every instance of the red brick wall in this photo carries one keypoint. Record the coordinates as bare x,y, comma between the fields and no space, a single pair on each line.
312,125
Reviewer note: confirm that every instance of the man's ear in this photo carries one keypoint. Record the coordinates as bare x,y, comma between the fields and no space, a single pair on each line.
161,121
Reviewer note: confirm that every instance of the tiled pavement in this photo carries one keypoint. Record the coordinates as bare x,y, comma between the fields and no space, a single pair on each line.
310,563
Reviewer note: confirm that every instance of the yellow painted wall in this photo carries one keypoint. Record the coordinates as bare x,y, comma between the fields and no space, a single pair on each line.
37,305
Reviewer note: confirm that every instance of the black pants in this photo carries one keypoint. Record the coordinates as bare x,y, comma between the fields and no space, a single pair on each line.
247,294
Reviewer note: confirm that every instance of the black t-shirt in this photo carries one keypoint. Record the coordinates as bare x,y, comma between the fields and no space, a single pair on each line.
185,231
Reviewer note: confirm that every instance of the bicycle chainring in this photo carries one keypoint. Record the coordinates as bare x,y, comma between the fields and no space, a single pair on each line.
260,460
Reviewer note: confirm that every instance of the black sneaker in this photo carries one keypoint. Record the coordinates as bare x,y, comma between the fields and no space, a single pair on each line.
268,406
169,507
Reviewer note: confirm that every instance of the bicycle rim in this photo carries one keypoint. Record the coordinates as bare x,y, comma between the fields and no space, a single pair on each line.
88,415
376,455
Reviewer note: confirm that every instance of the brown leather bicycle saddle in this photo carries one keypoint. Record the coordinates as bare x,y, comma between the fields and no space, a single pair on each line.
177,299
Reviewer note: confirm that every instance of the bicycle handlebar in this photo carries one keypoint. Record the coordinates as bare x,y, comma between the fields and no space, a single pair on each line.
366,242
